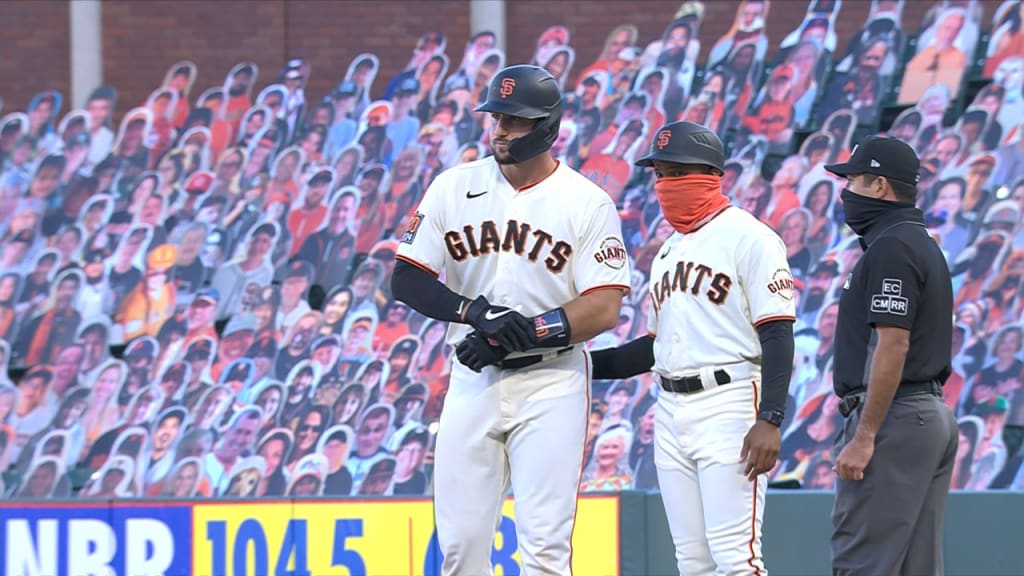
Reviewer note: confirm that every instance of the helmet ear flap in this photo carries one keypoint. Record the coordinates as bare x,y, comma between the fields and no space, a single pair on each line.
538,141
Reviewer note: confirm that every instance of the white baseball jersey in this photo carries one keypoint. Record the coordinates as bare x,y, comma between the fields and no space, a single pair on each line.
532,249
709,289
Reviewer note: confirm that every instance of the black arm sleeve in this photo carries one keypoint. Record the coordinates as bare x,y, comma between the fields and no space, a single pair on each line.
425,294
625,361
776,363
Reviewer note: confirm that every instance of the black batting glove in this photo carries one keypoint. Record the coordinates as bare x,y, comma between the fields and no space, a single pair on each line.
510,329
476,353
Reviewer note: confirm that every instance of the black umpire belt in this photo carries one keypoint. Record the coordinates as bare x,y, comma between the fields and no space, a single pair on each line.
691,384
521,362
853,400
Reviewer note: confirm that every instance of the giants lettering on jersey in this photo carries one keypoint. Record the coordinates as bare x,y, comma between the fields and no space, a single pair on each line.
691,277
611,253
516,237
782,284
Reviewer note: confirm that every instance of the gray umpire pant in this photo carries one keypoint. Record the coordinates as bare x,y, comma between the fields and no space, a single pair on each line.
891,522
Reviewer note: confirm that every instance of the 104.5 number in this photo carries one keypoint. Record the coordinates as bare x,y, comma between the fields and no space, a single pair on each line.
293,549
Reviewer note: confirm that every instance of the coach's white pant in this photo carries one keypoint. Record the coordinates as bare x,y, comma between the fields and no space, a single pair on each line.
714,512
527,428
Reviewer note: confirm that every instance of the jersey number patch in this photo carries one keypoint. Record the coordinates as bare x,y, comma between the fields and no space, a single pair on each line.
414,227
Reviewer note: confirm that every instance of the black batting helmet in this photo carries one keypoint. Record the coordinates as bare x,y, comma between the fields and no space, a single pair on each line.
528,92
686,143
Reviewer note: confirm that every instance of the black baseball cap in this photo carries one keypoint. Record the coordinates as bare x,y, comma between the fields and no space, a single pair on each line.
199,350
299,269
889,157
321,177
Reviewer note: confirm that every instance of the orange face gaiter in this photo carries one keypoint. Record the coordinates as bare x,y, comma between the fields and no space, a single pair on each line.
687,202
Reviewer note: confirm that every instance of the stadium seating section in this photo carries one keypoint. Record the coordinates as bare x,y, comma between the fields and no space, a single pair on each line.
195,300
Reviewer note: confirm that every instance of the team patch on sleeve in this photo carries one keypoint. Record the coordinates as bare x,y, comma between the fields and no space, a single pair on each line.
611,253
414,227
891,299
781,284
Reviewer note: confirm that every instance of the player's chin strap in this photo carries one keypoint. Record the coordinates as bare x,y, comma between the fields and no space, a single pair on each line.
552,328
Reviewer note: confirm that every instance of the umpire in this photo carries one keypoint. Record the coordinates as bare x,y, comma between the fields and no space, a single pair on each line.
892,355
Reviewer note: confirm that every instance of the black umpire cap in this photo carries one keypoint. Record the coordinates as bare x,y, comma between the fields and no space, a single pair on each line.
888,157
686,143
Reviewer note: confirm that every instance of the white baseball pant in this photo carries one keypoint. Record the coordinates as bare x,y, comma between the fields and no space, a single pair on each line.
525,428
714,512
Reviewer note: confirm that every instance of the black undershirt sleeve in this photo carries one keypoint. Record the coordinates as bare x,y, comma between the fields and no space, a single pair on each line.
425,294
776,363
636,357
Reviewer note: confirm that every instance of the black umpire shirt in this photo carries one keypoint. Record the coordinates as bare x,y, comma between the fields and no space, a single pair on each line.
903,280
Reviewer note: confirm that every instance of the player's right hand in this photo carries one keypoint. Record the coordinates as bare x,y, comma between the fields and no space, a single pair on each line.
509,328
475,352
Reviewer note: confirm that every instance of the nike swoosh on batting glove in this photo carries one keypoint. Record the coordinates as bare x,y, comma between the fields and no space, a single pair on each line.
509,328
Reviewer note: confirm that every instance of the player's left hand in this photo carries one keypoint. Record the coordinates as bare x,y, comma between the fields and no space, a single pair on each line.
476,352
760,449
506,326
854,458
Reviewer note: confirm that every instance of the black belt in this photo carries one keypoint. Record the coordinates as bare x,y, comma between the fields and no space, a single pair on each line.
691,384
850,402
524,361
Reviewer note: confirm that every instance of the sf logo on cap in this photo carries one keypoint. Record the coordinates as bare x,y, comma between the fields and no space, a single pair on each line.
663,137
507,86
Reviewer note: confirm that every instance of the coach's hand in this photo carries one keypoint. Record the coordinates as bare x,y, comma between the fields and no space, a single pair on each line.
475,352
760,449
854,458
509,328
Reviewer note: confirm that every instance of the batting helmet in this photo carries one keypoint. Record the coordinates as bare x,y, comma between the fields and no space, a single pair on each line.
528,92
686,143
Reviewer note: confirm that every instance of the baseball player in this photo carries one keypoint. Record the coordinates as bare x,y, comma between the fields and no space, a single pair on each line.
525,282
720,336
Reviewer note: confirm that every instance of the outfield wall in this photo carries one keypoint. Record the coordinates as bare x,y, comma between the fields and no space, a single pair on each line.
616,534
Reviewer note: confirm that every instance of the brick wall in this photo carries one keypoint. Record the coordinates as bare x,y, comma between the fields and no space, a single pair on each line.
217,35
331,34
34,43
141,40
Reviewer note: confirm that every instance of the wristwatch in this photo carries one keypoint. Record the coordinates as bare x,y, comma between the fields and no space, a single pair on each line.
772,416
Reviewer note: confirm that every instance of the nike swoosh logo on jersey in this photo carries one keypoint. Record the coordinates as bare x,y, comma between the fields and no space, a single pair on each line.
663,254
470,194
491,316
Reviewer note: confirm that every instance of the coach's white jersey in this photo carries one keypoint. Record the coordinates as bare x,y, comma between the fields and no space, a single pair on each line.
532,249
710,288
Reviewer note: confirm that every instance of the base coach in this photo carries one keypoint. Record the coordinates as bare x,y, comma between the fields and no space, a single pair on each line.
892,355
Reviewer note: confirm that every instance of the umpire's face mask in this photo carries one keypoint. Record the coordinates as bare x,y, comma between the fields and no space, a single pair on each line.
860,212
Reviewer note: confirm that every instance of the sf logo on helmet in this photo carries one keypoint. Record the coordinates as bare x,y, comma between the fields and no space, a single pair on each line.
663,137
507,86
